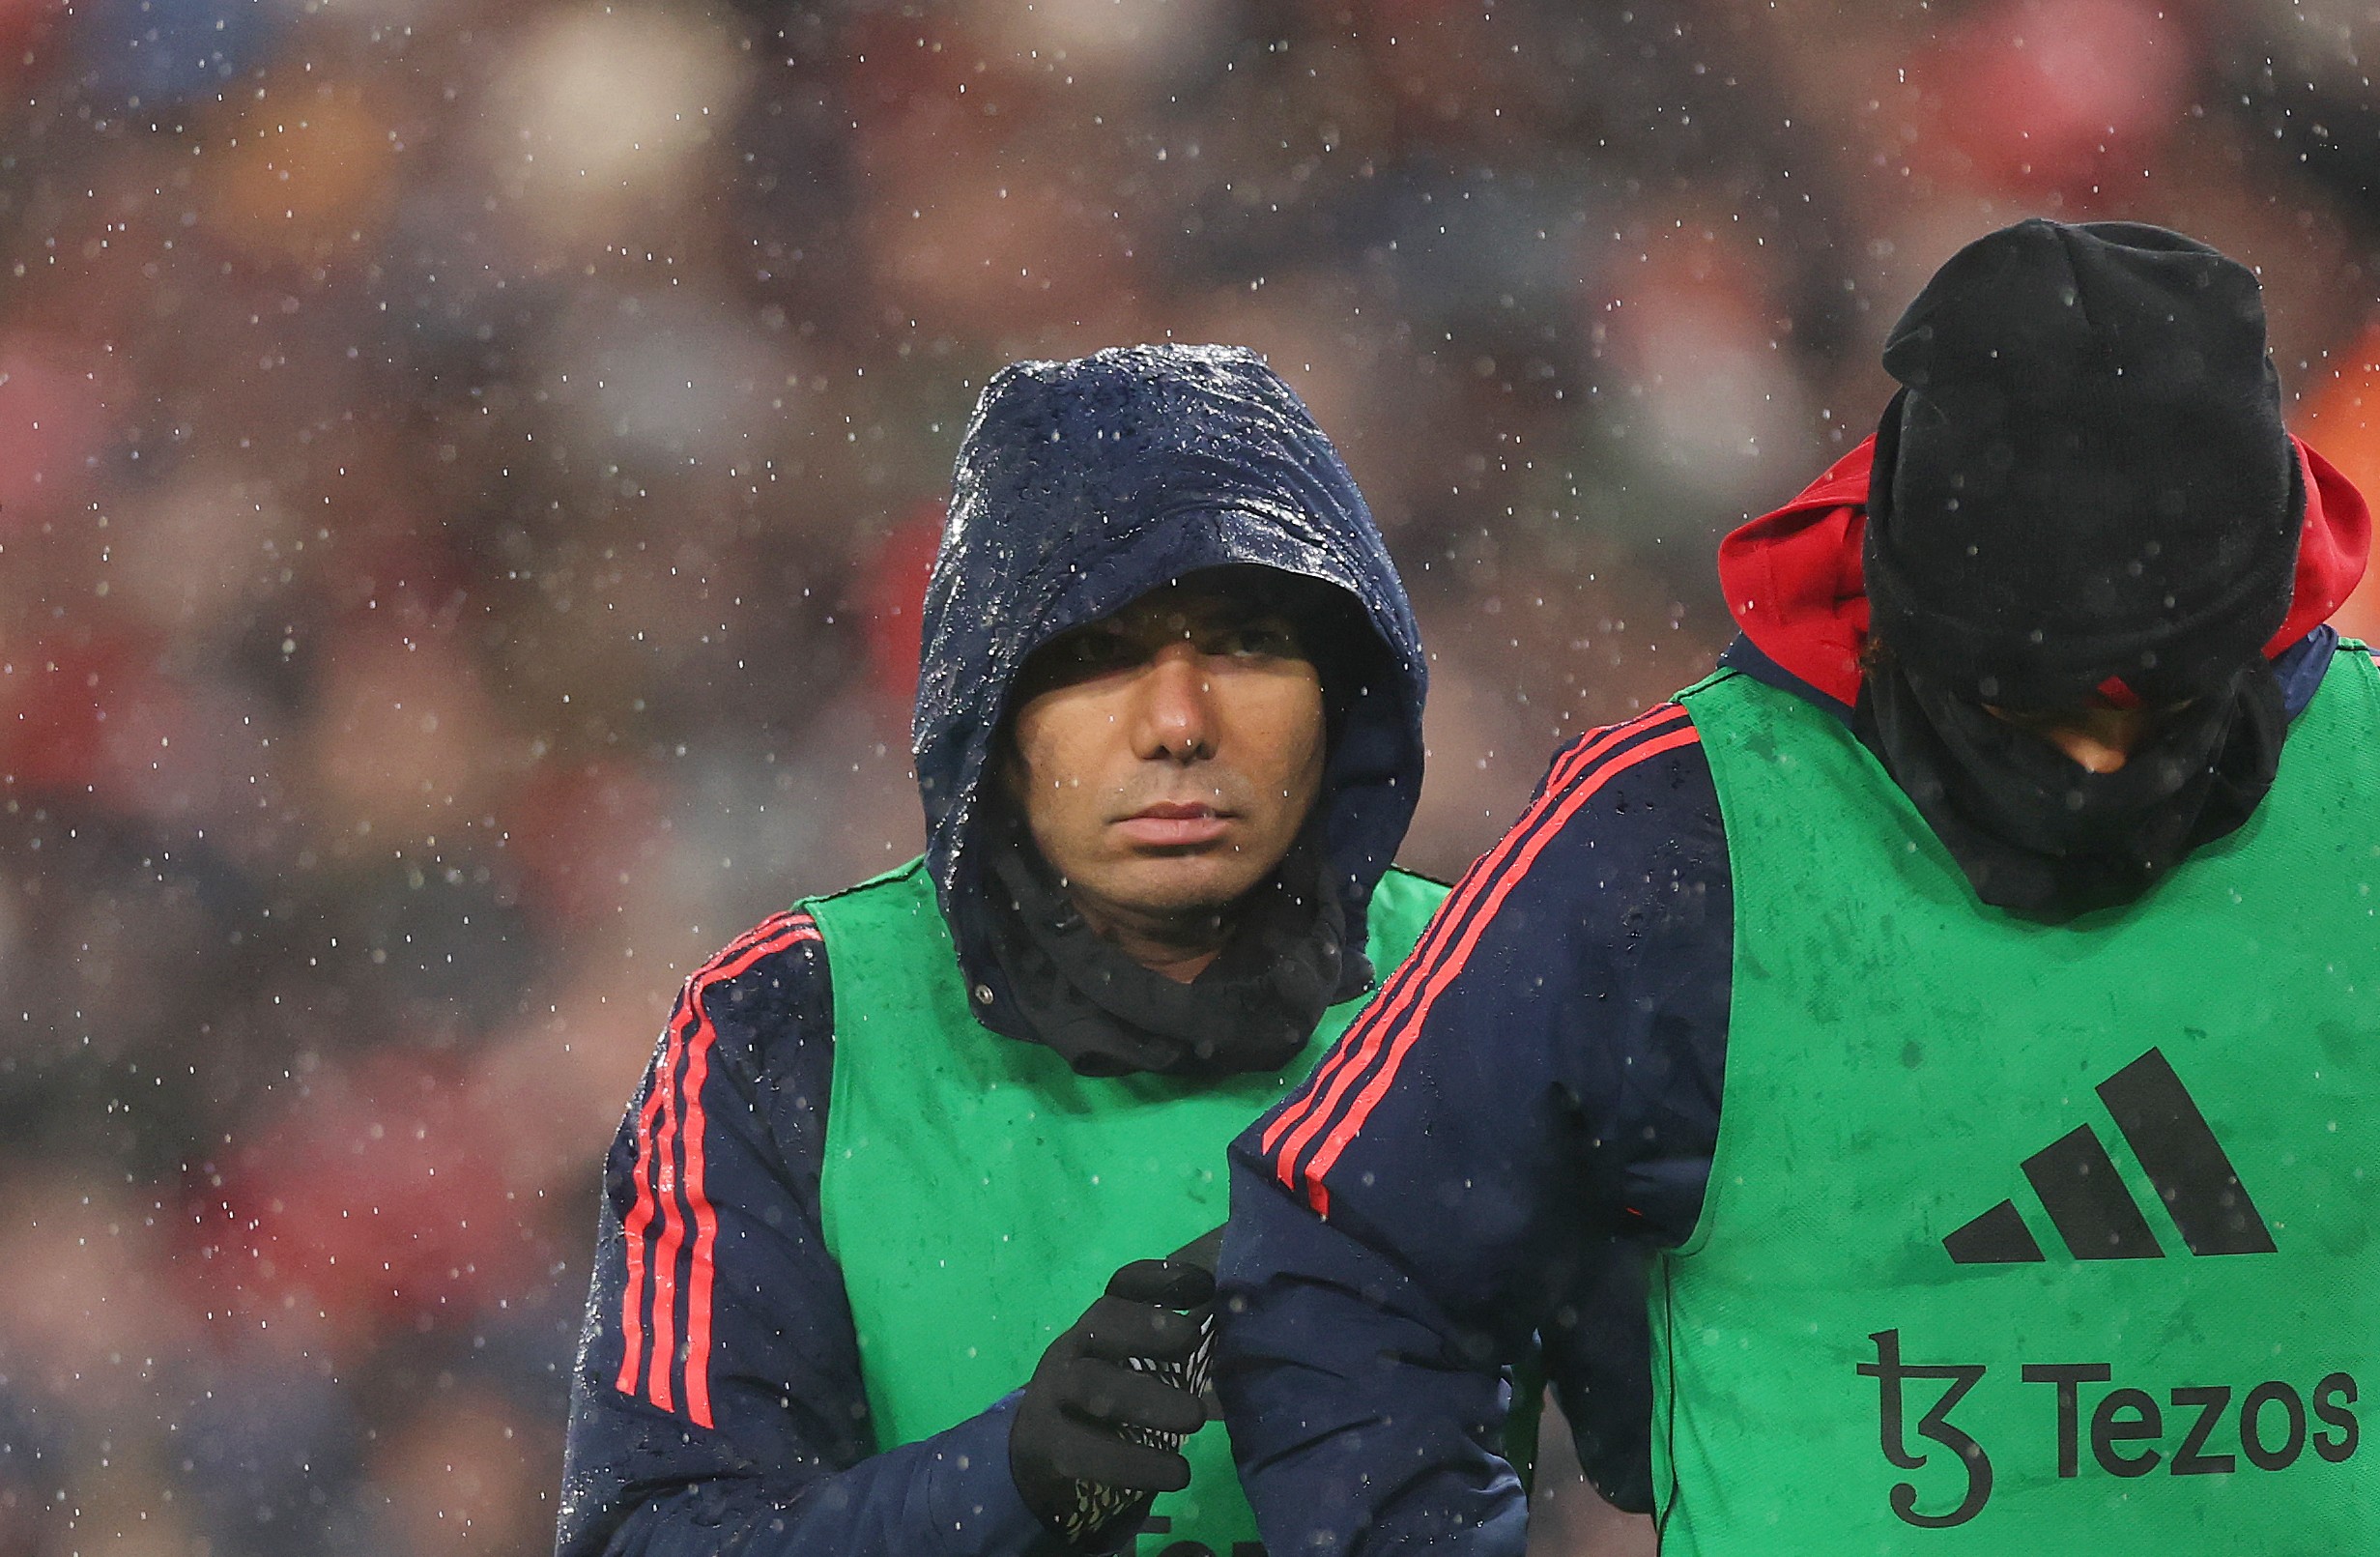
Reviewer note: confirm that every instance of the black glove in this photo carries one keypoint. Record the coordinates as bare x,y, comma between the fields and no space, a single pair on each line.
1100,1430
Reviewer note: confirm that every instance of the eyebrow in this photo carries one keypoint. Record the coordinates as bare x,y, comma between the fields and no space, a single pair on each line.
1230,608
1210,611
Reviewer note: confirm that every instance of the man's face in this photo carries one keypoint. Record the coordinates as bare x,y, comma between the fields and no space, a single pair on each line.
1166,756
2095,739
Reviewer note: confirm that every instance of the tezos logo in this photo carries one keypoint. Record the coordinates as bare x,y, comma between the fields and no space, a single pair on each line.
2192,1430
2132,1431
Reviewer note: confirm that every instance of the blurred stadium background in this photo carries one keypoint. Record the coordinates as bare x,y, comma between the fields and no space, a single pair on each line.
467,469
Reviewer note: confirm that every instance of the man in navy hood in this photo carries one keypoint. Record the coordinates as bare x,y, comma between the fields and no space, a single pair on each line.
915,1259
1082,487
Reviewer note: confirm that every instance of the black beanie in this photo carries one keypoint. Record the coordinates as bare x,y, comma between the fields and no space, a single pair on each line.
2087,474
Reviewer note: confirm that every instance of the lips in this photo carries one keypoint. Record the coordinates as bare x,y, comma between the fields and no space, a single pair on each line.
1174,825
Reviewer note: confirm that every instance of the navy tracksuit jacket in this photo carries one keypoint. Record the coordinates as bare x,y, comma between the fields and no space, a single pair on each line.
1573,1031
718,1403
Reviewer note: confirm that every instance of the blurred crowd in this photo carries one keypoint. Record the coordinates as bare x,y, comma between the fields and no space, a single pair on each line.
467,470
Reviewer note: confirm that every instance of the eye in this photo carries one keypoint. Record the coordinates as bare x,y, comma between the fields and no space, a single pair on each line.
1261,638
1092,651
1088,653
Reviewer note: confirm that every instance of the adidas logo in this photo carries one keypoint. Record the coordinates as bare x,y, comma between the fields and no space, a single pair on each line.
2087,1203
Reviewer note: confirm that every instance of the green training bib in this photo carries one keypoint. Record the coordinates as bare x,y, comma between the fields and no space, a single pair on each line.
2029,1239
978,1194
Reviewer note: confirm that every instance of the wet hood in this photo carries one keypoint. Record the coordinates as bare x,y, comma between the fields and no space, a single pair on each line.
1081,486
1792,577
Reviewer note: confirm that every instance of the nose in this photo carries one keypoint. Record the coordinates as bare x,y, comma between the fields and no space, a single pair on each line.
2101,740
2097,740
2094,751
1174,711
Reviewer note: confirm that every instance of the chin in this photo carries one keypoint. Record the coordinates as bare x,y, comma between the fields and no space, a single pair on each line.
1181,887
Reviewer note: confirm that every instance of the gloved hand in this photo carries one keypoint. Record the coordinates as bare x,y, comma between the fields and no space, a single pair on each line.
1099,1432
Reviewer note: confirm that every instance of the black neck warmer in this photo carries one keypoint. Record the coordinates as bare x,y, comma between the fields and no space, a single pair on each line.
2038,834
1252,1009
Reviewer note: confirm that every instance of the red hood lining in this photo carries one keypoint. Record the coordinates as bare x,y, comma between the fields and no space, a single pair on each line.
1792,577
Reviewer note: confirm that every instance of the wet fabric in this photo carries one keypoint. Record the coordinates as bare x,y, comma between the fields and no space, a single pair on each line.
1564,1092
1795,581
976,1192
2085,477
1251,1009
1584,1035
1916,1171
1081,486
713,1267
2034,831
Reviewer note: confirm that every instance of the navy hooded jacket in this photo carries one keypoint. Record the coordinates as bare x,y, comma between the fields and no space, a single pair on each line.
1080,486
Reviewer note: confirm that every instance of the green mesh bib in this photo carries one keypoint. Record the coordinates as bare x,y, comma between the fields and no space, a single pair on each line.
978,1194
2025,1238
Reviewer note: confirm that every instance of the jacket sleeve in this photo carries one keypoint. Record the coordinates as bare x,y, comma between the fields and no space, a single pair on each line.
1528,1101
717,1404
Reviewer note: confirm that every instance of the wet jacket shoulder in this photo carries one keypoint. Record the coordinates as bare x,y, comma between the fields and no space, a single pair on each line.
1562,1021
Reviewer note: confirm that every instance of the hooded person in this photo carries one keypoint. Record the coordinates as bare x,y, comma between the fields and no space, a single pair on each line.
909,1257
1962,999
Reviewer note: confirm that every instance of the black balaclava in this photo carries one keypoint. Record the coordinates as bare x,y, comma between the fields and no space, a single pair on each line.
2084,490
1287,957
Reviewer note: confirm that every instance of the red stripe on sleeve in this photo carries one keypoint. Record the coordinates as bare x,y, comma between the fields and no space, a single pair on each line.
1312,1111
640,1217
1327,1084
1317,1192
705,1216
657,1387
671,1106
705,1220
